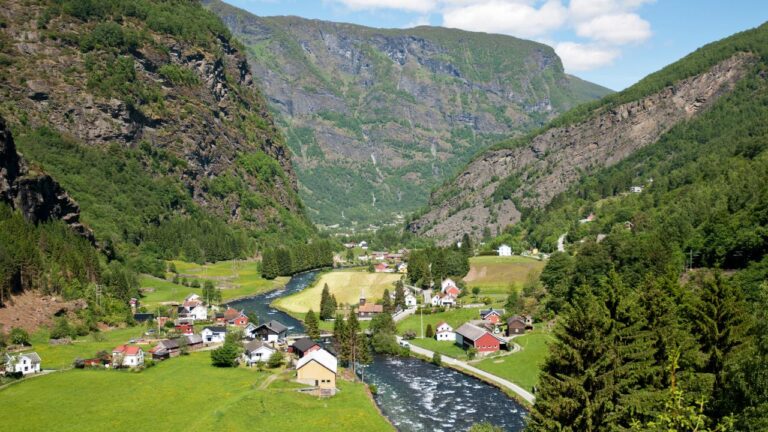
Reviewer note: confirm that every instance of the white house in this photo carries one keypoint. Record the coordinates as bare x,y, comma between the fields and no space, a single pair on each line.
214,334
363,245
505,250
127,356
443,300
26,363
636,189
193,310
447,283
410,300
257,351
444,332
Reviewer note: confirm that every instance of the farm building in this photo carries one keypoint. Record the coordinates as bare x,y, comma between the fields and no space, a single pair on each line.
318,369
505,250
472,336
493,316
27,363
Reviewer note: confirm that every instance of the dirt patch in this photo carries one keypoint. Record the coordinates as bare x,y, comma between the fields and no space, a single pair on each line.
31,310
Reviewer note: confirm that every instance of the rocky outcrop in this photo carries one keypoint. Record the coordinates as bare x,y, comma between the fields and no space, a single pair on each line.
550,162
36,195
377,117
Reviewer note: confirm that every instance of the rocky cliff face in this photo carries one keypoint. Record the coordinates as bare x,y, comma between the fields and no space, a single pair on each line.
534,172
142,80
376,118
36,195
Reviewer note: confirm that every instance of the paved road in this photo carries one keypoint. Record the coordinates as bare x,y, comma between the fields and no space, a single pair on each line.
403,314
490,377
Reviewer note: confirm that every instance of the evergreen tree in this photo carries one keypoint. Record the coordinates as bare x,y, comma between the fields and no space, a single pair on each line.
399,294
310,322
466,245
352,336
339,338
386,302
327,304
269,267
429,332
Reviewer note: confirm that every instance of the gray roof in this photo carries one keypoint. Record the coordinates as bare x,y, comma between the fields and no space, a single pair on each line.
217,329
485,312
470,331
170,343
275,326
195,339
32,356
256,344
304,344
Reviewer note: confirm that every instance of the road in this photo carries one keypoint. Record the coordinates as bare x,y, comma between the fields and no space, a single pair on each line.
530,398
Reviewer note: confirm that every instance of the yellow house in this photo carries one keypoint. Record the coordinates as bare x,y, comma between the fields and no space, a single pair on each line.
318,368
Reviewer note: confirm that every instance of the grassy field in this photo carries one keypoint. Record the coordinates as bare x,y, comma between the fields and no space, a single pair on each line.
523,367
496,275
345,285
62,356
202,398
235,278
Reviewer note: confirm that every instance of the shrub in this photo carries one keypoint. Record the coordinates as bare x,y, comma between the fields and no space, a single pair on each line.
19,336
437,359
276,360
226,356
178,75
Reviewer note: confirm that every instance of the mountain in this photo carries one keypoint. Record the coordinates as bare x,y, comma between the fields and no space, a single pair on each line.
147,113
377,117
522,176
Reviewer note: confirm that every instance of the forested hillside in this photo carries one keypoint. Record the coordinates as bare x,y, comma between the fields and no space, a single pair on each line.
147,113
661,294
377,117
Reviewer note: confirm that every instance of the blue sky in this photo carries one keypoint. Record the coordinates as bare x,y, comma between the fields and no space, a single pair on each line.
610,42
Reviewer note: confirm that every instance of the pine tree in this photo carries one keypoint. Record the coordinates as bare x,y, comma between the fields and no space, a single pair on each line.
429,332
399,295
339,338
310,322
386,302
352,336
466,245
327,304
269,266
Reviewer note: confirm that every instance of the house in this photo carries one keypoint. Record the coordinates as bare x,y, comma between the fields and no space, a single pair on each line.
185,329
214,334
446,300
318,369
447,283
193,310
257,351
636,189
165,349
381,267
472,336
250,330
444,332
218,318
272,331
304,346
25,364
367,310
363,245
143,317
410,300
234,317
515,325
194,341
402,268
505,250
127,356
493,316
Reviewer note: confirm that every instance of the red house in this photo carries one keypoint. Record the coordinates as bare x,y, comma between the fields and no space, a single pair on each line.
234,317
453,290
472,336
493,316
185,329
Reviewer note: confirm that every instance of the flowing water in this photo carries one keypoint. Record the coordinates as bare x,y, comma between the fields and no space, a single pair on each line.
260,303
414,395
419,396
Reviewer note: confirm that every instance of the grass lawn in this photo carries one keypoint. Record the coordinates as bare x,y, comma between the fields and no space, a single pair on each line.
496,275
345,285
445,348
523,367
455,317
62,356
185,393
235,278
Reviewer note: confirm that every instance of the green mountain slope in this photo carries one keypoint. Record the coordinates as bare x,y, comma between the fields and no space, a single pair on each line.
147,113
377,117
521,176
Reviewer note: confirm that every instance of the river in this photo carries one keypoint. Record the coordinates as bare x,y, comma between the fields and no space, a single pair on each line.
414,395
260,303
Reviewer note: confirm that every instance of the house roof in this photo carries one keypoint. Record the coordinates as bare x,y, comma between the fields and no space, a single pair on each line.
485,312
322,357
195,339
32,356
371,308
129,350
170,343
304,344
274,326
515,319
471,331
216,329
231,314
255,345
442,323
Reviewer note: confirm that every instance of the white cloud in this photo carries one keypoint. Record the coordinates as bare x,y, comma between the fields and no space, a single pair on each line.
421,6
420,21
508,17
616,29
582,57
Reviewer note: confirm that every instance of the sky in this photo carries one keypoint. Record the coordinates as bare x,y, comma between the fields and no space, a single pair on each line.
613,43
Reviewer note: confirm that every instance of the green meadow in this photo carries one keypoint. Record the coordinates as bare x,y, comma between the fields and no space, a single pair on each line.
523,367
497,275
185,393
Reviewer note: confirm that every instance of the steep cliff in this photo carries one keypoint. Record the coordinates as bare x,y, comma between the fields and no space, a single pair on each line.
158,92
36,195
491,192
378,117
